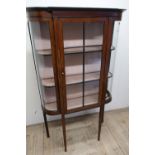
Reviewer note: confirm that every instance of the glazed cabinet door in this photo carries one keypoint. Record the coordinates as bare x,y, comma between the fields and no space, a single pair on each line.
81,44
42,39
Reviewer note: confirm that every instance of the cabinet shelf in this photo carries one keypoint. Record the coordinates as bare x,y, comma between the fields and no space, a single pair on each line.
49,99
51,106
77,102
74,101
74,79
44,52
88,100
75,49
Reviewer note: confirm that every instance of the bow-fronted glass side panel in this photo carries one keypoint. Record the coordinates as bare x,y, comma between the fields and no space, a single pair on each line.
42,54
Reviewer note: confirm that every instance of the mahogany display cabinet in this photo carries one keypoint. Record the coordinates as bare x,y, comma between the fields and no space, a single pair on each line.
71,52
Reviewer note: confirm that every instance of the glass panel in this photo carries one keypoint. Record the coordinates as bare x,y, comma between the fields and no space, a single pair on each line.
91,92
73,34
43,60
73,46
92,62
82,49
113,53
74,96
93,36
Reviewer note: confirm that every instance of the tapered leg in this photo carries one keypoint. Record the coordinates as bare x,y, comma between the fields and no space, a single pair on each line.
102,115
64,131
100,121
46,125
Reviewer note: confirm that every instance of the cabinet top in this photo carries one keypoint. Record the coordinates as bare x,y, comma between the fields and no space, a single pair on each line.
102,4
37,12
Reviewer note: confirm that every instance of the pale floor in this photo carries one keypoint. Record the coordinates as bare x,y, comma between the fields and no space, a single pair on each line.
82,136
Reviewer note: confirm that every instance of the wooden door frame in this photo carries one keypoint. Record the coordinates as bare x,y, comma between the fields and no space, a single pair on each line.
58,22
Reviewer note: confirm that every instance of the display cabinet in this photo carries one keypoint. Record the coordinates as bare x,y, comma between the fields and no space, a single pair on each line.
72,50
